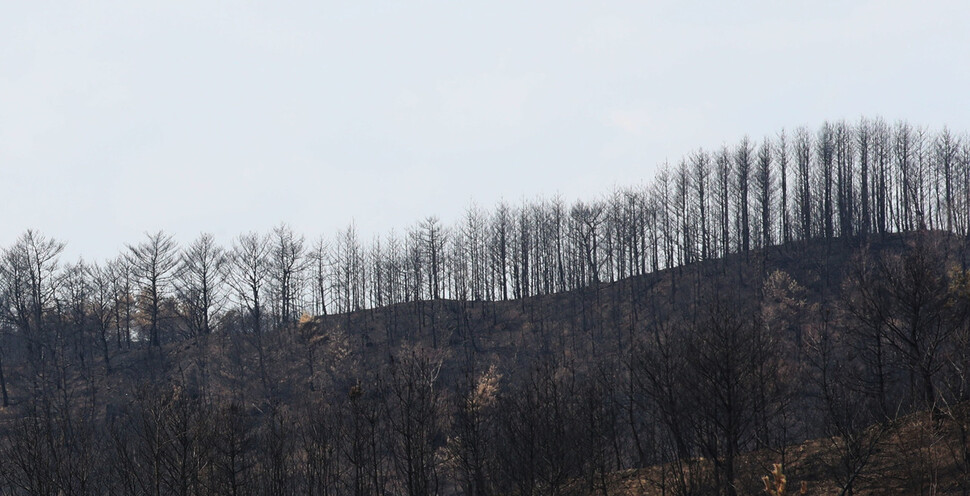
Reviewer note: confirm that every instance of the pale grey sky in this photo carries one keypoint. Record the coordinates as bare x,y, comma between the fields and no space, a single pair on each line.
118,118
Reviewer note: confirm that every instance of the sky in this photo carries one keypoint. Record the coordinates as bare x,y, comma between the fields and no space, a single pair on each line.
121,118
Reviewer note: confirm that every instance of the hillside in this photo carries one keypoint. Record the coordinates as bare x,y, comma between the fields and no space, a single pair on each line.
915,454
738,360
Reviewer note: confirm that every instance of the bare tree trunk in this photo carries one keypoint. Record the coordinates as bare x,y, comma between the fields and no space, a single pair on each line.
3,382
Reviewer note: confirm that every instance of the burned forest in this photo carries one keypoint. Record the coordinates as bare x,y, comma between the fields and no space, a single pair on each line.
800,299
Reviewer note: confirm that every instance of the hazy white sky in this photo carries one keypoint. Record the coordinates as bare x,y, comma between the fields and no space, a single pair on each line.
118,118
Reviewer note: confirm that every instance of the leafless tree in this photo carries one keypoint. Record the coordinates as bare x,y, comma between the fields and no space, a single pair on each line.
153,263
804,200
415,417
724,186
764,181
29,273
199,283
947,150
845,179
906,297
320,264
287,264
433,239
865,145
783,173
701,165
249,274
743,163
122,277
102,301
825,149
851,418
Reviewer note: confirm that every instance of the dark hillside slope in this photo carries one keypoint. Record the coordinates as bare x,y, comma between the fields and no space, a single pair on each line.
553,394
601,321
